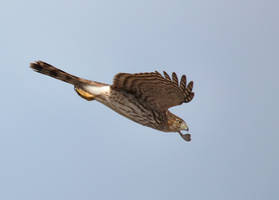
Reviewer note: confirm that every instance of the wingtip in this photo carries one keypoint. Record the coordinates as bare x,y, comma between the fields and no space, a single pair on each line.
166,75
174,78
191,85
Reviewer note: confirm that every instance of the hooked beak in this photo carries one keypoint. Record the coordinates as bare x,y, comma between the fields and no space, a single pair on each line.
184,126
187,136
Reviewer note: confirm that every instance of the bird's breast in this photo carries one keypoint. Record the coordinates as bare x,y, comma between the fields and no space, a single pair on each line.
133,108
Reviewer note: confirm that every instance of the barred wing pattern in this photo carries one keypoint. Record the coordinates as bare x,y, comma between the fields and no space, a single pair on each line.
159,92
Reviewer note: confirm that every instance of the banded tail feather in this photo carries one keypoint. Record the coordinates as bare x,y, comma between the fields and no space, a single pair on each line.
49,70
85,88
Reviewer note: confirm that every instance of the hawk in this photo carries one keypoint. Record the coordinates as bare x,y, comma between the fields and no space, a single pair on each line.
142,97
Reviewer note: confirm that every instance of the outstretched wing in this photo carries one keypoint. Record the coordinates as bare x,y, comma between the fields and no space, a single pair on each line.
160,92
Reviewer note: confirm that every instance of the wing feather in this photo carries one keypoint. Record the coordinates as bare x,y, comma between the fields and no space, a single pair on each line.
159,91
166,76
183,82
174,78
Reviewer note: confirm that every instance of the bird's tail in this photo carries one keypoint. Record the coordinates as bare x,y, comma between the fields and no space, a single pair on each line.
79,83
49,70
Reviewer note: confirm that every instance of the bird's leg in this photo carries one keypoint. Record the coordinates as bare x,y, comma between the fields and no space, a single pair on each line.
186,137
84,94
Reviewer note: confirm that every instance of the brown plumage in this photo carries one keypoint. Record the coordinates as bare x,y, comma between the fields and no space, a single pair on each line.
143,97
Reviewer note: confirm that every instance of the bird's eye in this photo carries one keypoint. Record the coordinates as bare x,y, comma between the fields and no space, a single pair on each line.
179,121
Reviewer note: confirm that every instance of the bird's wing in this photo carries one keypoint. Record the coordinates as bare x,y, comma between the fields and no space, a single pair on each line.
160,91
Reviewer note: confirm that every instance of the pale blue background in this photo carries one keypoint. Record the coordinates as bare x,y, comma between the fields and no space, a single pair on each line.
55,145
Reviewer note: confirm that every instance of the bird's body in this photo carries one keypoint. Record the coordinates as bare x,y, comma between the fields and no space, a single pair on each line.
143,97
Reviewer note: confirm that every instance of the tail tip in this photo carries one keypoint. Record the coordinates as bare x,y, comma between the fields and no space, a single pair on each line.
36,66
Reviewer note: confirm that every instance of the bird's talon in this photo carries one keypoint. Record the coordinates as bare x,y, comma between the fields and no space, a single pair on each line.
186,137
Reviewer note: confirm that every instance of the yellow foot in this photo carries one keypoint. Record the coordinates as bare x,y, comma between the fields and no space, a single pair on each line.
84,94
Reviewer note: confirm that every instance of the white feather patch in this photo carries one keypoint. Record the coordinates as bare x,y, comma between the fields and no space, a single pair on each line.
97,90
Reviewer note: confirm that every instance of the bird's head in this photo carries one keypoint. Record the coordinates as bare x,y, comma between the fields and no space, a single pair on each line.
176,124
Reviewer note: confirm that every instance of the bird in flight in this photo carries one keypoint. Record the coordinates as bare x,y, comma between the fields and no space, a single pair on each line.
142,97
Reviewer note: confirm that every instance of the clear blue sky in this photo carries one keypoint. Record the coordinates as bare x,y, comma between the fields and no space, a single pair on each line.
55,145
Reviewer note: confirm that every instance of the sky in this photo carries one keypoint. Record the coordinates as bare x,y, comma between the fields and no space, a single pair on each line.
55,145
